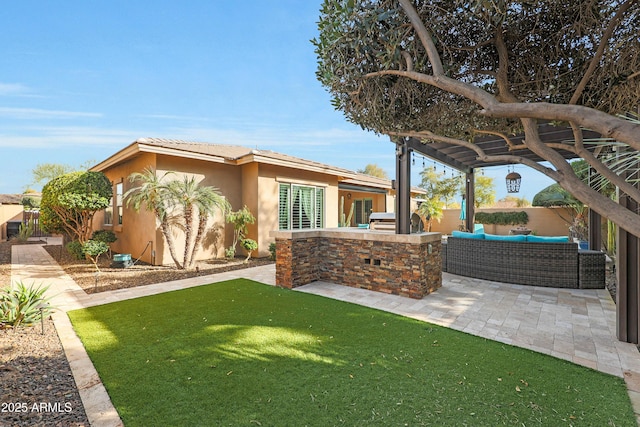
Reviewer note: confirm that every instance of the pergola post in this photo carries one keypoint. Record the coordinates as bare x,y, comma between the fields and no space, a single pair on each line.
628,278
403,187
595,224
470,192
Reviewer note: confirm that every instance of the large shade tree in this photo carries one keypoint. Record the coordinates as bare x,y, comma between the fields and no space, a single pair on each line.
450,70
70,201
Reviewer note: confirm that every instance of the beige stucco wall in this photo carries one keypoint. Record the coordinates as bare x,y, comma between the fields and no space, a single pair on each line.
228,180
138,228
9,213
542,221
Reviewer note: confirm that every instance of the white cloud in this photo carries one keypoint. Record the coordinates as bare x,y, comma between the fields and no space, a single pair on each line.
273,137
36,114
13,89
46,137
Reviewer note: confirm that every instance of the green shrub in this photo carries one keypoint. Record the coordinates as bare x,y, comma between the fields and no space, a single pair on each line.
249,245
75,249
106,236
23,306
272,250
502,218
240,220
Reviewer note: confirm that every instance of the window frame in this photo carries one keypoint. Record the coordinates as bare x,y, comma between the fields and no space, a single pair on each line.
290,205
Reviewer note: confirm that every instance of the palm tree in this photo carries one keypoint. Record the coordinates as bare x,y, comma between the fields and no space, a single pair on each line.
195,200
155,195
429,210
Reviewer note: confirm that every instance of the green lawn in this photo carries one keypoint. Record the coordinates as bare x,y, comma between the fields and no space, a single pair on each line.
244,353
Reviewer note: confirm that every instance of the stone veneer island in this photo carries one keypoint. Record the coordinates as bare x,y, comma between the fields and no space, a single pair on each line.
400,264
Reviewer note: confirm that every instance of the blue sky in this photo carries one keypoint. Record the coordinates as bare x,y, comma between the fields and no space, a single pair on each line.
82,79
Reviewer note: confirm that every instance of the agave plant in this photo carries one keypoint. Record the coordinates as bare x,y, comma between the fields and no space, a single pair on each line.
22,305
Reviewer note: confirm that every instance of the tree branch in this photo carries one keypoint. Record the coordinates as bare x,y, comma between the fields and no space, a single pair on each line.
600,51
425,37
502,77
600,167
603,123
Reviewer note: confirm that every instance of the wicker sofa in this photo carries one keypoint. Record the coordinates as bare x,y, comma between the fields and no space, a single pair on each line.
543,262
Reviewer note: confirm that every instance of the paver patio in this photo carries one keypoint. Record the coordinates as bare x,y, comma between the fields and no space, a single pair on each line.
572,324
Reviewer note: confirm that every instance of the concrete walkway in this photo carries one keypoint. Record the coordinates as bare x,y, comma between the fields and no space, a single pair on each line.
572,324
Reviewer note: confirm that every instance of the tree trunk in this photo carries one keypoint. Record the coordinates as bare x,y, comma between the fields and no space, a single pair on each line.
188,235
166,232
202,223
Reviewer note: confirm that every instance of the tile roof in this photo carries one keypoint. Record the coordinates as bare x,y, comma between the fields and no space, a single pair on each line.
234,152
10,199
237,154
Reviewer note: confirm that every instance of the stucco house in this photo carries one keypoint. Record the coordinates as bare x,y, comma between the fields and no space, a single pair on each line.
281,191
10,212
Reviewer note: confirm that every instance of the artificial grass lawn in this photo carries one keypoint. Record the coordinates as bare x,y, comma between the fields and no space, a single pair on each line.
244,353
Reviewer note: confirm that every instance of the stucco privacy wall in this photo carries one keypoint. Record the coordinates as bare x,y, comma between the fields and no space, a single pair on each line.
407,265
542,221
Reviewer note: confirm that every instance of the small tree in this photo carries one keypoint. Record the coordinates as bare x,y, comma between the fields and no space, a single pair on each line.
92,250
70,201
240,220
249,245
374,170
429,210
440,187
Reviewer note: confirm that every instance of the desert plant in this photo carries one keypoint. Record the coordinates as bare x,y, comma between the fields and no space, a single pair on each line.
249,245
345,221
23,306
240,220
272,250
25,231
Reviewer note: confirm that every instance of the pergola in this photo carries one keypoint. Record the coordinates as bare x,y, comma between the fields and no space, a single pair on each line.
466,160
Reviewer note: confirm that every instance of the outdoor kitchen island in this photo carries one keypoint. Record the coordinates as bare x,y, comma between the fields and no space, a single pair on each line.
401,264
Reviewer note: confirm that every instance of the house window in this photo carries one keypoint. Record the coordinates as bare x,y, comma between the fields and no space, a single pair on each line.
108,214
115,206
119,187
300,207
362,209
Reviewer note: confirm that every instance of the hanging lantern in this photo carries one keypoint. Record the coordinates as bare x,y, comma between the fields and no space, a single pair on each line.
513,182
